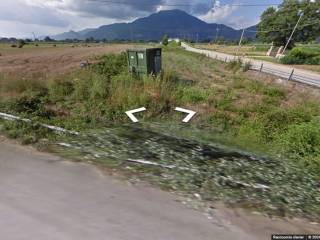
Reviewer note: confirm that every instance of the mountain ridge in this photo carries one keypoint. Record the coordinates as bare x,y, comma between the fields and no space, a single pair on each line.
175,23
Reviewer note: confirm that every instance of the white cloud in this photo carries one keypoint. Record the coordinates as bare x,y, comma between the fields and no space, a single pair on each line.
23,30
227,14
219,14
19,11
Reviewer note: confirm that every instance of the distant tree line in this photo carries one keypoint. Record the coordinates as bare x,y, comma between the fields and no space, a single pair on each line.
220,40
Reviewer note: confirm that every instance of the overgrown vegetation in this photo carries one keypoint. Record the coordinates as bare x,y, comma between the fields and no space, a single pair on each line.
100,95
303,55
251,114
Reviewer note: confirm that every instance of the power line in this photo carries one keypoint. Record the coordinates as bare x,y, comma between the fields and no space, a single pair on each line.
250,5
287,29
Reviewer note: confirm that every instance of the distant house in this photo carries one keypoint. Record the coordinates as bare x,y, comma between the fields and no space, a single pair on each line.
177,40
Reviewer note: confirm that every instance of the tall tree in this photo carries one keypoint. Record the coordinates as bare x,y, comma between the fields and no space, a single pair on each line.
277,24
165,40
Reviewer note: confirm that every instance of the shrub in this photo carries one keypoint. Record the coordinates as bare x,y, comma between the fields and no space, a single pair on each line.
165,40
270,123
302,142
234,65
21,43
111,65
23,85
247,66
60,88
276,92
302,56
30,103
195,95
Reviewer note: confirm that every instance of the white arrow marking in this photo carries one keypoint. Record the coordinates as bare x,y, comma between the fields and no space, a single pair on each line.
190,114
132,117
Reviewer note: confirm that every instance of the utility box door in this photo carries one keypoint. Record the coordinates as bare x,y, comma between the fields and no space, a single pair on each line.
132,59
157,62
144,61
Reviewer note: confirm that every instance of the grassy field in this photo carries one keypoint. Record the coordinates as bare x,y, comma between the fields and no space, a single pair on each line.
242,109
247,50
7,49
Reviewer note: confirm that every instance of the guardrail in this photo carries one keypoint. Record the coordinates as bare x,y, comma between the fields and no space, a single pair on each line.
290,75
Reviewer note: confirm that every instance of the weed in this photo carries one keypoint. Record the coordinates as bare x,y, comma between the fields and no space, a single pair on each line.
246,66
19,86
234,65
111,65
302,143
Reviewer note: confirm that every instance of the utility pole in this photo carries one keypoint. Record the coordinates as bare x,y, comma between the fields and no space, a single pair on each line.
34,36
217,34
241,38
295,27
242,34
214,6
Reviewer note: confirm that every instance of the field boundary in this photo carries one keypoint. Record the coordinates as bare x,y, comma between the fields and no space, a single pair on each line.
10,117
288,73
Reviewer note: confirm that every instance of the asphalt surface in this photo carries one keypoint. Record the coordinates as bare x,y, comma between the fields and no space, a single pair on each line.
45,198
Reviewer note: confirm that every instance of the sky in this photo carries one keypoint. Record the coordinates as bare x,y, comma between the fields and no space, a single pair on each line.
20,18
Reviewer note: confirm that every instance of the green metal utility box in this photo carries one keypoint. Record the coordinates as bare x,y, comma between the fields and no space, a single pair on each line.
145,61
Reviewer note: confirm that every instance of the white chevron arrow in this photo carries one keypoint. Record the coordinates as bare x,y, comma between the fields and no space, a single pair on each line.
190,114
131,112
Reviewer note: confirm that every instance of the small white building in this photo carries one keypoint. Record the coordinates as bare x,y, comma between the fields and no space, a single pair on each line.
177,40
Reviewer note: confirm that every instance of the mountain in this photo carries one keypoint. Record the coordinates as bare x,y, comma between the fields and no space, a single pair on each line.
73,35
174,23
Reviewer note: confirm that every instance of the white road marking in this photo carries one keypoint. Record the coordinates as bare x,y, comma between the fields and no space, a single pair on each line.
189,112
131,112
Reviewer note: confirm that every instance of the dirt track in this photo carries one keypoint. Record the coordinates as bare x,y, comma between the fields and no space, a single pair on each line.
50,61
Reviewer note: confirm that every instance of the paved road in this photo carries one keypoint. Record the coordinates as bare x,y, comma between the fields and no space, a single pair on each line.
45,198
299,75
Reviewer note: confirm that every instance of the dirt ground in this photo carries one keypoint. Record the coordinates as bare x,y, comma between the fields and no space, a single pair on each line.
44,62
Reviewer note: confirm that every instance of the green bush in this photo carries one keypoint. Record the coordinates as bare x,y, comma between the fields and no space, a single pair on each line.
111,64
276,92
195,95
268,125
302,56
22,85
302,142
246,66
21,43
59,89
31,104
165,40
234,65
